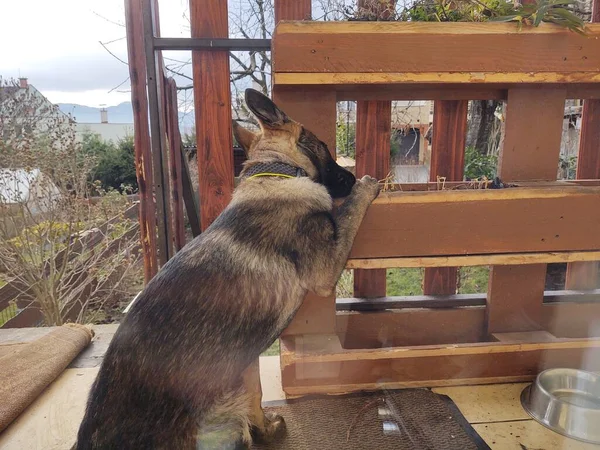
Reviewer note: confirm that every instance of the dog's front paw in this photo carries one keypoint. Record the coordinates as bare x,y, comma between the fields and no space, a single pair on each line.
368,186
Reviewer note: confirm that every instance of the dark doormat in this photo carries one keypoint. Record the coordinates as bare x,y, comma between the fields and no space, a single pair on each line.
411,419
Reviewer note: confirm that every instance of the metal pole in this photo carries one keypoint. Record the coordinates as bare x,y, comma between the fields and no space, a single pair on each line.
212,43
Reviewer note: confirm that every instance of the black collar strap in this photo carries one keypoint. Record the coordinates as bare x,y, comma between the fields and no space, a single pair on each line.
274,169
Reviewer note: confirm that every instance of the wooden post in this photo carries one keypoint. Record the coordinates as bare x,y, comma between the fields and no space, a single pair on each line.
530,152
292,10
373,152
316,110
143,158
174,136
212,100
373,134
584,275
447,160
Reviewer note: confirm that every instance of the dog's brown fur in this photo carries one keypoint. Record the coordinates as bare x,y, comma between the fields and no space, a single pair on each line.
177,372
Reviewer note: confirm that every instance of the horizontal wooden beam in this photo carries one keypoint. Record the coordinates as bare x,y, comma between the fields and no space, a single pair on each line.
452,301
348,53
435,78
461,320
318,363
477,222
327,348
410,327
445,91
474,260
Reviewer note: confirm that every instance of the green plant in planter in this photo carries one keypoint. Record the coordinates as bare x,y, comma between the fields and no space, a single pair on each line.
551,11
559,12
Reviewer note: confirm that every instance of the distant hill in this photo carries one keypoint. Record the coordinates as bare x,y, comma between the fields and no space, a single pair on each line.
122,113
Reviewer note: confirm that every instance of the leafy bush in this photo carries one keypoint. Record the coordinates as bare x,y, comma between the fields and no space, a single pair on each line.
478,165
115,167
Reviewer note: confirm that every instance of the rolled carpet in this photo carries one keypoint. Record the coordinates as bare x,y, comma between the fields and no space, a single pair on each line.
27,369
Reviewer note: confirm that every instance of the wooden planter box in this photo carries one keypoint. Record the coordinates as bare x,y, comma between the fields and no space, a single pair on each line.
513,331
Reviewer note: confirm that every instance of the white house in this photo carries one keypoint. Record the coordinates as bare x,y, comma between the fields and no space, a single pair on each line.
27,188
108,131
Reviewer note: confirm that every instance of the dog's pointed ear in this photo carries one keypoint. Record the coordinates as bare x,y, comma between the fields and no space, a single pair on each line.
264,109
243,136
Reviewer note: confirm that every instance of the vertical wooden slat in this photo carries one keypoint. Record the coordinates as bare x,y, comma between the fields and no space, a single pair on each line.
212,100
447,160
162,89
584,275
316,110
373,151
154,76
373,133
530,152
292,10
189,196
175,163
143,158
164,154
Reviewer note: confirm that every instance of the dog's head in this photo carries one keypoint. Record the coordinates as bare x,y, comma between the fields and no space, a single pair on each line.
280,134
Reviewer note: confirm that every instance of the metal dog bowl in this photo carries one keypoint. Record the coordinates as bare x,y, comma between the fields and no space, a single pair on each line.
566,401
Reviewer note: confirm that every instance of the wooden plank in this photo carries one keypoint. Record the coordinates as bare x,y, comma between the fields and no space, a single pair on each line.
531,148
478,79
447,161
316,110
572,320
319,365
482,404
527,336
434,91
410,327
453,301
172,119
474,260
373,146
530,151
53,419
143,158
526,434
424,324
292,10
189,196
212,101
466,222
494,49
154,77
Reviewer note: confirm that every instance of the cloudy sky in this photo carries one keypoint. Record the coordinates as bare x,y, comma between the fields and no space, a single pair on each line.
55,44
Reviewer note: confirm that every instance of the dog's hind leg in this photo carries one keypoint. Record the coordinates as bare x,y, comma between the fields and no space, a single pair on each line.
264,427
226,426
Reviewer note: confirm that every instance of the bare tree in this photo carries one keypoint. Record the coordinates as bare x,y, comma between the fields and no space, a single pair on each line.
61,251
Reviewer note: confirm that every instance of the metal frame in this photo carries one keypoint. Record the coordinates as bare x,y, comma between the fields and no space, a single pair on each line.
230,44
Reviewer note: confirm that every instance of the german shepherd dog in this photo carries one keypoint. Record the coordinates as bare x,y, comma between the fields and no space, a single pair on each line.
176,374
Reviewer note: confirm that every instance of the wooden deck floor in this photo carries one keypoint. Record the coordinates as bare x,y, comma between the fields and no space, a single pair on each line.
51,422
